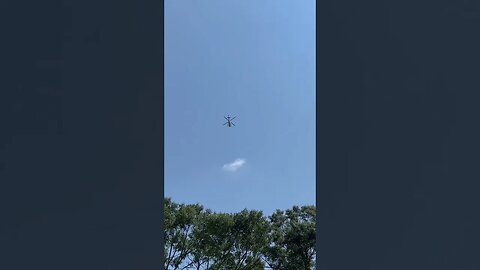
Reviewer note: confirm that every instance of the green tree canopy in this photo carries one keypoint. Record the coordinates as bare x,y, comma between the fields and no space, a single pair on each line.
197,238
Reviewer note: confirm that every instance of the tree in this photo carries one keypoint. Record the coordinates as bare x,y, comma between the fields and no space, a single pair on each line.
300,237
200,239
291,239
180,220
213,240
249,238
275,252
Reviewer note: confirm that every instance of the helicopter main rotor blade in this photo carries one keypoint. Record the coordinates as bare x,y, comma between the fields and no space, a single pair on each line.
225,123
225,118
233,118
233,124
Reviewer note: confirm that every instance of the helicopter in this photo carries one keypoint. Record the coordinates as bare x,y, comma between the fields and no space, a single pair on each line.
229,122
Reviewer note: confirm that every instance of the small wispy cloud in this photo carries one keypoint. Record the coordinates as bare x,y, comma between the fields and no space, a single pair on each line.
237,164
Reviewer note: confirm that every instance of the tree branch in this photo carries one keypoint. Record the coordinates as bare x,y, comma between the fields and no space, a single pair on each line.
169,259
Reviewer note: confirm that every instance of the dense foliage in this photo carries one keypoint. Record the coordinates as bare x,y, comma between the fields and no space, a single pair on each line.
197,238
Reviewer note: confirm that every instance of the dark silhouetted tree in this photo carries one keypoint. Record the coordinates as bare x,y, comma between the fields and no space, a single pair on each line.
200,239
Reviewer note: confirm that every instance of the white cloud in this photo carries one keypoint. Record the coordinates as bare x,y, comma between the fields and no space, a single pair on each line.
237,164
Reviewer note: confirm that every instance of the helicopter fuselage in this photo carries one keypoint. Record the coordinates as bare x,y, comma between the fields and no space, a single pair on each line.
229,122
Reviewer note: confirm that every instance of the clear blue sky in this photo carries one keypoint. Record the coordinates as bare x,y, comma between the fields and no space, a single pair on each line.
254,59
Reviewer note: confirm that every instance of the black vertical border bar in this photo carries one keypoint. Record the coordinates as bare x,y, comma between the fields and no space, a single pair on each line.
67,73
397,134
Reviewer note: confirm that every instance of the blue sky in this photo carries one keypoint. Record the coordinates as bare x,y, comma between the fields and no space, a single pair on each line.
254,59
